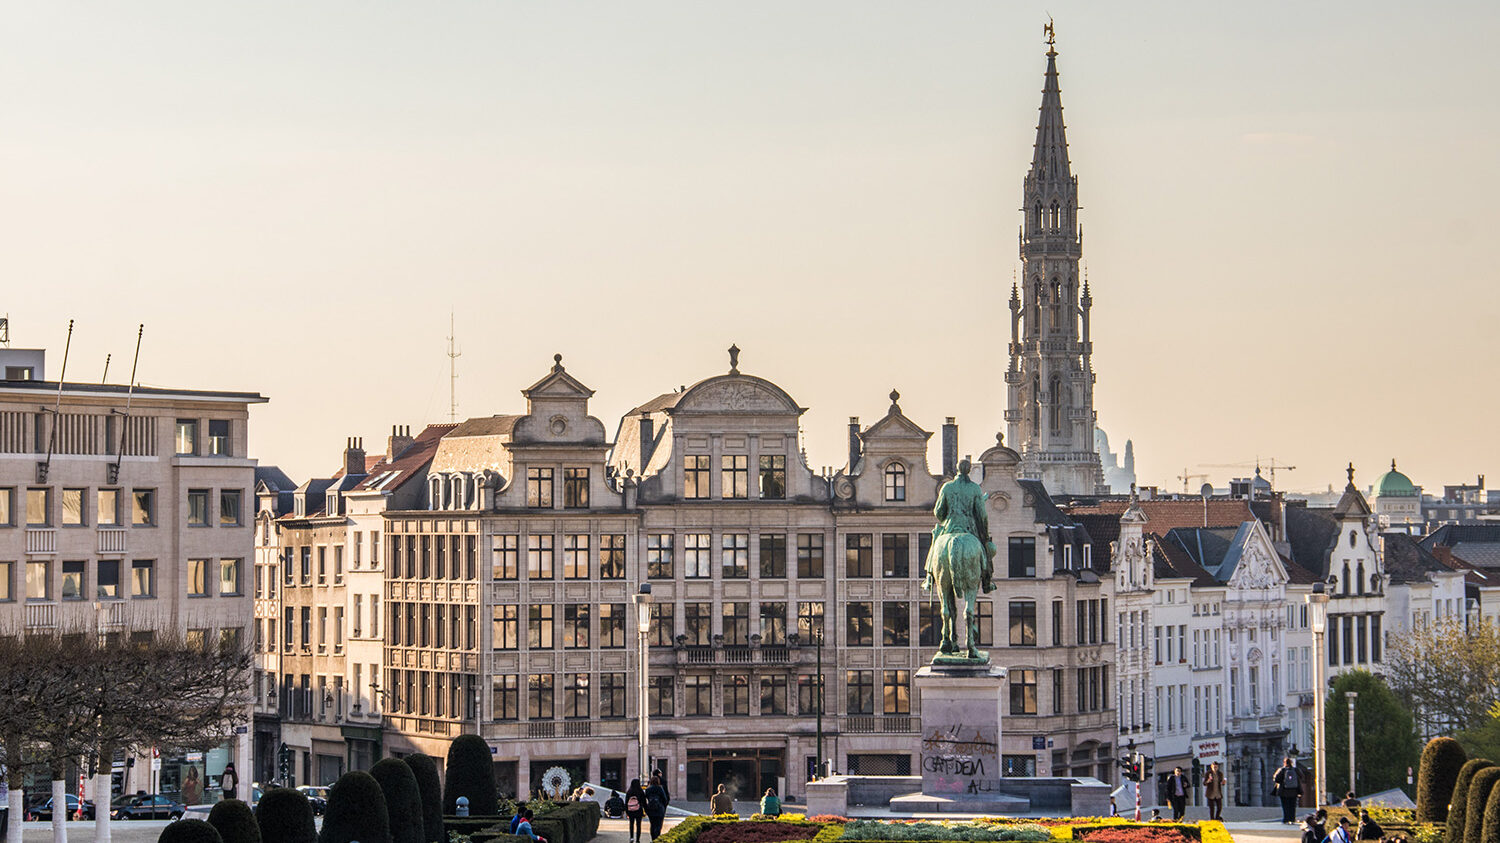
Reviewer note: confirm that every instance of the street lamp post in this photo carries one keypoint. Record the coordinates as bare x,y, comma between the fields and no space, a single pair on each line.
1351,695
642,600
1318,601
819,641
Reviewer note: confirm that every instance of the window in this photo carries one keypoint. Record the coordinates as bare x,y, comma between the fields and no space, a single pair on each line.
810,556
576,488
698,695
305,553
611,695
229,507
539,557
772,556
539,696
772,695
539,627
187,437
229,577
737,695
895,482
984,615
659,556
734,471
107,506
924,546
229,639
612,556
576,626
773,623
38,580
73,574
859,556
576,556
1058,681
505,698
505,560
611,625
860,686
38,507
1057,623
809,693
505,628
1022,556
539,488
736,623
695,476
861,628
72,508
895,555
895,623
143,578
7,507
773,477
1022,690
928,624
810,621
306,628
660,697
197,584
1375,641
143,507
1022,623
698,623
197,639
576,696
735,559
896,692
663,625
698,552
323,563
197,507
7,571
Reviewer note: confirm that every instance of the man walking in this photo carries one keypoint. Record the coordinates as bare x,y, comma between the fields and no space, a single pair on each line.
1288,786
1177,791
1213,791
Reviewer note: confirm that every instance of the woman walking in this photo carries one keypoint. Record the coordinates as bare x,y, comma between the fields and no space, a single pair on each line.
656,805
635,809
229,781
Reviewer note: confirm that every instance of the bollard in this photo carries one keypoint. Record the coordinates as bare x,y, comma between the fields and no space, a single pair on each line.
462,806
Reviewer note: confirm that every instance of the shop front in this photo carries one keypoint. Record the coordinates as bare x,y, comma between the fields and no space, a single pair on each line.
745,773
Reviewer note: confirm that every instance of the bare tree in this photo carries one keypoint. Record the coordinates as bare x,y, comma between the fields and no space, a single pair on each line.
1446,673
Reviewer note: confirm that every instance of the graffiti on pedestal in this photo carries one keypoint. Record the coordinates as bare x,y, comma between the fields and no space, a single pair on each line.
961,758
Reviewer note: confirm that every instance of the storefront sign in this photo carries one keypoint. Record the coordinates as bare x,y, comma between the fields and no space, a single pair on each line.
1209,750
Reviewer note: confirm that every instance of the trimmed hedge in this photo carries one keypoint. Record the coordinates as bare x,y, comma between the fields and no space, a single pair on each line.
1458,806
1442,758
285,816
234,821
403,802
471,773
424,769
567,822
189,831
1479,797
356,811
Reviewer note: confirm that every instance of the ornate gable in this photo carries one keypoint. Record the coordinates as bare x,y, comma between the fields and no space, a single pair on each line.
895,427
736,394
1256,562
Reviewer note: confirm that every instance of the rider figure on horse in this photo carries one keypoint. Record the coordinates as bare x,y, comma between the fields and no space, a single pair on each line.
960,509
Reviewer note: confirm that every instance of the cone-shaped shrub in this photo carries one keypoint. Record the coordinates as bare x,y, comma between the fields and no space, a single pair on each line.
1489,829
285,816
431,789
1458,806
471,773
403,802
189,831
356,811
234,821
1479,797
1442,758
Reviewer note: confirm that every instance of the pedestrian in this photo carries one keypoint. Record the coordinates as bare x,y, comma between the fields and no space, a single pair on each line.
1177,792
1288,786
1341,834
656,805
722,803
1114,810
1156,815
4,800
614,806
770,804
1213,791
635,809
1312,830
229,781
1368,828
523,829
1350,801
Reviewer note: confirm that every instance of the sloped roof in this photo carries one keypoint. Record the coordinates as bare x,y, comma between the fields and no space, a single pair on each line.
1407,561
1169,560
389,476
500,425
1046,511
1311,532
1167,514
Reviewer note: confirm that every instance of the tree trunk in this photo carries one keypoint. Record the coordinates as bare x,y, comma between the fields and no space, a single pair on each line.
59,808
103,794
16,780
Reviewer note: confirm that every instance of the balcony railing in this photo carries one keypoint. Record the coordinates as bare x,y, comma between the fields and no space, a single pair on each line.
41,540
735,654
112,540
41,615
879,724
112,614
577,729
541,729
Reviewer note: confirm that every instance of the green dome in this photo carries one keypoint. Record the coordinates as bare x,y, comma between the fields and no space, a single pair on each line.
1394,484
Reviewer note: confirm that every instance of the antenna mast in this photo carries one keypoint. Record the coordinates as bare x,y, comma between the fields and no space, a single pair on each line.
114,468
42,467
453,355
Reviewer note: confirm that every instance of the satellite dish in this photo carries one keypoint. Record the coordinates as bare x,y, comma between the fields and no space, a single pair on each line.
1207,491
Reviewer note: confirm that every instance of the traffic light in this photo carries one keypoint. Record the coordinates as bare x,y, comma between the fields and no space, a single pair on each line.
1148,763
1197,773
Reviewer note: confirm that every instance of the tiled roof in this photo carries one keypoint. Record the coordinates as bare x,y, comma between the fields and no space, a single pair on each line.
1164,515
1171,561
665,401
1407,561
1046,511
388,476
485,426
1311,532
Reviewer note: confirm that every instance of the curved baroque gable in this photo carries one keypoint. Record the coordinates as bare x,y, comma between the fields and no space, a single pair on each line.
737,394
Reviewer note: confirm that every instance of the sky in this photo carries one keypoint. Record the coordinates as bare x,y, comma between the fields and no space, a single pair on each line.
1285,209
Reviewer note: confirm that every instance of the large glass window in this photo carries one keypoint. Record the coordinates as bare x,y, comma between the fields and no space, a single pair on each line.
663,624
859,556
539,627
860,685
810,556
576,488
735,559
929,622
809,693
576,556
7,585
736,623
1022,556
611,695
772,556
187,437
505,560
773,477
229,577
539,688
1022,623
612,556
576,696
660,697
659,556
698,559
895,623
39,507
737,695
810,621
695,476
896,692
143,578
38,580
773,623
505,697
72,508
576,626
698,623
107,507
505,627
772,695
539,557
735,476
984,615
611,625
73,575
895,482
218,437
539,488
698,695
229,507
895,555
197,578
143,507
7,507
861,625
1022,691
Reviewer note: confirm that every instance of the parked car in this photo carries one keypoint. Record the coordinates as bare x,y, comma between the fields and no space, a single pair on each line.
143,806
316,796
43,810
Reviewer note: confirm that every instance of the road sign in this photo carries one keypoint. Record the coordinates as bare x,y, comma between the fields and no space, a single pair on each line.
1038,741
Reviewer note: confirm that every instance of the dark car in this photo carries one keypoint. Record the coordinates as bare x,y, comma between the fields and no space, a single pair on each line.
317,797
43,810
142,806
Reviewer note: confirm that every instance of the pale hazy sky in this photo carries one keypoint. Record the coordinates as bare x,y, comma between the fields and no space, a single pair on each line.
1289,212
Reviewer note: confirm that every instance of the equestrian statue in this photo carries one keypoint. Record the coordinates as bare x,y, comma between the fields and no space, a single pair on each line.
960,563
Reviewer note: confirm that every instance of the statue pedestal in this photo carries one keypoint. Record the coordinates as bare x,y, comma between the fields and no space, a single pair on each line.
960,751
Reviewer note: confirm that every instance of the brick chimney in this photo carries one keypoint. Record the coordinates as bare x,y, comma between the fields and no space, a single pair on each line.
950,447
398,442
648,441
354,457
854,442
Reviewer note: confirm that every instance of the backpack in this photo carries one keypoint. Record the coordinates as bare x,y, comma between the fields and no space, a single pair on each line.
633,805
1290,780
653,804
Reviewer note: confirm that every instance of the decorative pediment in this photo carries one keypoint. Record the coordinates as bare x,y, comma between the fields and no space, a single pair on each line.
1258,565
558,384
737,394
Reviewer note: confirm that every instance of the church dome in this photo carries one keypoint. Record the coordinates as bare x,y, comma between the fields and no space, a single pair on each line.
1394,484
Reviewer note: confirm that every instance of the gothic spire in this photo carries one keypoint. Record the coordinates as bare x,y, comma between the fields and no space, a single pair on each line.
1049,160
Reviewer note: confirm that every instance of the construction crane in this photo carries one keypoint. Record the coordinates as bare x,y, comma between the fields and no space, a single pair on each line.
1188,478
1271,464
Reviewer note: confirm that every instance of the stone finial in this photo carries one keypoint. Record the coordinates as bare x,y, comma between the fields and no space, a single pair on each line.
557,365
895,397
1350,471
734,359
999,440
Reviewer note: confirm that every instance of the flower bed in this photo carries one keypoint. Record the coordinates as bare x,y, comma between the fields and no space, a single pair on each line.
978,832
795,827
769,831
1145,834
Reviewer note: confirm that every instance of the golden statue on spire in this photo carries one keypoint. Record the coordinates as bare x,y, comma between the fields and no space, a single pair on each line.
1050,32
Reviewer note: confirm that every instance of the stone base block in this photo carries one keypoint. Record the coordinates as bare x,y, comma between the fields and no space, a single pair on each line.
989,803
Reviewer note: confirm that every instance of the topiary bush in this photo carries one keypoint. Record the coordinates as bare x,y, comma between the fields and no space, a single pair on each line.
424,769
403,802
234,821
356,811
1458,806
285,816
189,831
1489,827
1478,799
1442,758
471,773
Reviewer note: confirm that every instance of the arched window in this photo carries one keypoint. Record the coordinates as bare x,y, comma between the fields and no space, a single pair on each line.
1054,218
1056,402
895,482
1346,577
1361,585
1039,215
1351,538
1036,405
456,493
435,492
